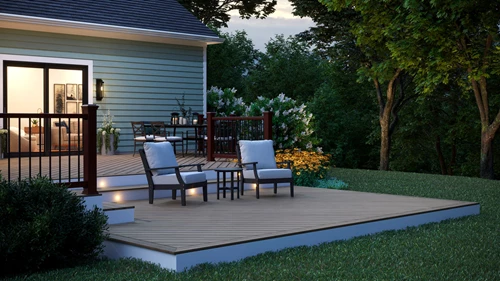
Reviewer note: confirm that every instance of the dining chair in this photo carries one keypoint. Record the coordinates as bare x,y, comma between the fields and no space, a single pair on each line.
139,133
161,135
198,136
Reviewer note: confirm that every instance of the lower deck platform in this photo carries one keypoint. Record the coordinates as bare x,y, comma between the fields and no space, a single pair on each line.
224,230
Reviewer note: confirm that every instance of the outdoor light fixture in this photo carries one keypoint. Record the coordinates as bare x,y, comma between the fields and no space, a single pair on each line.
99,89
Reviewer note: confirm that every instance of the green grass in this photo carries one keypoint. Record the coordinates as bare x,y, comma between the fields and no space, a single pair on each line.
462,249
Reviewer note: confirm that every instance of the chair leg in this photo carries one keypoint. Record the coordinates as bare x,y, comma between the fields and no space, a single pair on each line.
183,197
174,194
151,195
257,191
291,188
134,148
275,188
205,191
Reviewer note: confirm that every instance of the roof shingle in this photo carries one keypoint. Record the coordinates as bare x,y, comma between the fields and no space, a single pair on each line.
158,15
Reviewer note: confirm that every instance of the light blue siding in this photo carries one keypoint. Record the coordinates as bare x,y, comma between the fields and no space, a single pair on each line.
141,79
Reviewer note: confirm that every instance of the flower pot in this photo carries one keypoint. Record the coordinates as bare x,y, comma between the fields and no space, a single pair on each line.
111,149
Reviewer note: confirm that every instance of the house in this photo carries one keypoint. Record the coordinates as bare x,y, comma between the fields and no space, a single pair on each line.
147,54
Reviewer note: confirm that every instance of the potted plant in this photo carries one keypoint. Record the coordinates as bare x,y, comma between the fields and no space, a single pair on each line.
184,111
34,123
108,136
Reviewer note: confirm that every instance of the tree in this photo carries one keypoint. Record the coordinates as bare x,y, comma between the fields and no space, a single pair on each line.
344,117
288,67
450,35
216,12
229,62
358,23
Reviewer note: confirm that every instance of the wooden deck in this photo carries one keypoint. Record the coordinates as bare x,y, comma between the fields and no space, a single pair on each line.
168,227
107,166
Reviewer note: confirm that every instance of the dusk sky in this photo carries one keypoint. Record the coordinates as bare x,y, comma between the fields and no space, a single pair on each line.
280,22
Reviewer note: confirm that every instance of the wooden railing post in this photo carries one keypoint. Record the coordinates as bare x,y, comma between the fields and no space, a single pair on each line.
210,136
268,125
90,148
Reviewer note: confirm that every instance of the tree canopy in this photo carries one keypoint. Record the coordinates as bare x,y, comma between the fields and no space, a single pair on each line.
230,62
216,12
434,39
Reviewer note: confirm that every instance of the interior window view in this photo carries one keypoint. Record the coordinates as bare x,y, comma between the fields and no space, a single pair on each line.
63,94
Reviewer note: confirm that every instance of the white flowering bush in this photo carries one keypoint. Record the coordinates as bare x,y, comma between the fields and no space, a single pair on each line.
292,127
105,131
224,102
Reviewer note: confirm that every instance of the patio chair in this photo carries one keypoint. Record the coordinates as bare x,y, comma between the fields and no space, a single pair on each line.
162,171
256,158
139,133
199,138
160,135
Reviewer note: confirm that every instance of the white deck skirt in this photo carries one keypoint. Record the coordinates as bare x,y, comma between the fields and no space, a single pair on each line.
183,261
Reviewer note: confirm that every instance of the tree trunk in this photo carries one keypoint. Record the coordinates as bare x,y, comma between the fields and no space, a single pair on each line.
385,145
442,162
386,110
488,130
487,171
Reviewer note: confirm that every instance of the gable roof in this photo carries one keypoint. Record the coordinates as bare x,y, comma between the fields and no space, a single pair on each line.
164,18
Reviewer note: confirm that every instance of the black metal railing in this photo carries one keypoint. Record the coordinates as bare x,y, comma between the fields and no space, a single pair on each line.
58,146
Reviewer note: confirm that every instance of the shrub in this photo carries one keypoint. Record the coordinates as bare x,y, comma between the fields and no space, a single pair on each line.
307,166
292,123
224,102
44,225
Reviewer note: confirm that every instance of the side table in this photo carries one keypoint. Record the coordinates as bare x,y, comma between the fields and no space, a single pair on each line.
225,187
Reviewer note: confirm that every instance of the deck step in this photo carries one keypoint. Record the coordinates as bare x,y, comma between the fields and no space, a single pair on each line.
118,213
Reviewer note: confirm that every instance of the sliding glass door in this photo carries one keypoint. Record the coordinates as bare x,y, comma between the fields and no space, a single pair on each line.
41,88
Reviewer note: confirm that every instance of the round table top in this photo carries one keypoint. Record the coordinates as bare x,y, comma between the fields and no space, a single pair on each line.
235,169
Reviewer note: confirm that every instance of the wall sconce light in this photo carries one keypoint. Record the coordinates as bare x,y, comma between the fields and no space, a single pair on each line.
99,89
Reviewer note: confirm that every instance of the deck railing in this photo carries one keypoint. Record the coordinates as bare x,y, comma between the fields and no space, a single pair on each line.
224,132
61,147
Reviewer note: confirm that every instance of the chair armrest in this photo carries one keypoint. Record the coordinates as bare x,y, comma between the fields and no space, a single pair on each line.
254,165
179,166
193,165
161,168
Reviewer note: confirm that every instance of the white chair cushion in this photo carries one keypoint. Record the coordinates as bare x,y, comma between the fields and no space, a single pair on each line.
160,154
140,138
269,174
174,138
187,177
260,151
160,139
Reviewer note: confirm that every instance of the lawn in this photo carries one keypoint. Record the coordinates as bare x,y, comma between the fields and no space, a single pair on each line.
462,249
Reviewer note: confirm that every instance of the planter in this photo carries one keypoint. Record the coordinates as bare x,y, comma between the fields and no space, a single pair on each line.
111,149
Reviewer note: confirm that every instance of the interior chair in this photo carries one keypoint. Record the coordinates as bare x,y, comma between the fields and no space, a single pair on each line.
19,141
160,135
163,171
66,136
257,160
